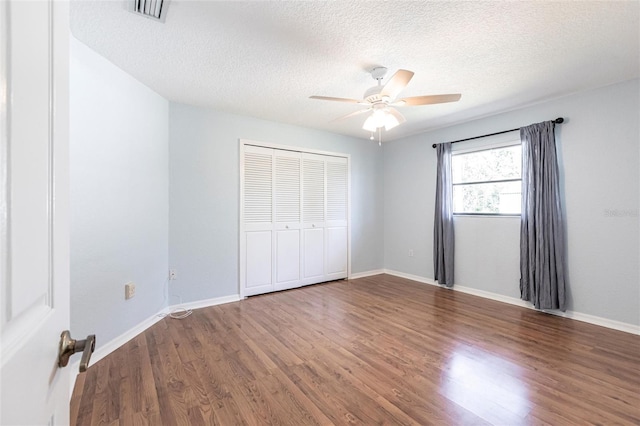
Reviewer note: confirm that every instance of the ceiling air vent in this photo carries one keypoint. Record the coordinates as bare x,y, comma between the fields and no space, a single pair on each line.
153,9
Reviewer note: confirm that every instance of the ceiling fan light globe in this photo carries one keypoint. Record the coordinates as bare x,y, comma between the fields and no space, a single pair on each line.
390,122
370,124
379,116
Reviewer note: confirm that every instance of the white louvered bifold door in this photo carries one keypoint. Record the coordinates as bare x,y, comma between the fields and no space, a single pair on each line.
256,245
294,219
336,229
287,193
313,212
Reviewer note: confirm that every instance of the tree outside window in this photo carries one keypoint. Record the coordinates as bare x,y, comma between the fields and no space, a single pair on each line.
487,182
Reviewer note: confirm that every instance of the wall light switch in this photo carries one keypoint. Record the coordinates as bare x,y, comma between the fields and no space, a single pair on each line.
173,274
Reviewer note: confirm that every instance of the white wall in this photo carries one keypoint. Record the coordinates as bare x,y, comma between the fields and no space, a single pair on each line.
599,146
119,197
155,185
204,195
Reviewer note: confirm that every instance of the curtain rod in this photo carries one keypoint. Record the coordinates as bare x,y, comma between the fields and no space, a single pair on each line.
557,121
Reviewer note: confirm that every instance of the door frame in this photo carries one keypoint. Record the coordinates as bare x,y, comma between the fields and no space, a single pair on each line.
241,229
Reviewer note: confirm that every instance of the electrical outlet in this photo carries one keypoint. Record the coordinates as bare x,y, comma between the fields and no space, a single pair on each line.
410,252
173,274
129,290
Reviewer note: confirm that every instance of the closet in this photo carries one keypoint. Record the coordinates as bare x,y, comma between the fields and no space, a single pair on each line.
294,219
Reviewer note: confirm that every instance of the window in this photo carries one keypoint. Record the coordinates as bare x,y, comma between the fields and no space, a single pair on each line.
487,181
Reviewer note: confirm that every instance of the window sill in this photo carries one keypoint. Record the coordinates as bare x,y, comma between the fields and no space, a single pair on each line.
486,215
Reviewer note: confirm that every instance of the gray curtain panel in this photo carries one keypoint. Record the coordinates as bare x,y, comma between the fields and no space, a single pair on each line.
542,268
443,237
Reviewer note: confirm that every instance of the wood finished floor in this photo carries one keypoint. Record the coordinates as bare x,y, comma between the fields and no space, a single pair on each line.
377,350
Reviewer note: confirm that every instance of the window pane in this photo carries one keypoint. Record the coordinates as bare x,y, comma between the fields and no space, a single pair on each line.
492,198
488,165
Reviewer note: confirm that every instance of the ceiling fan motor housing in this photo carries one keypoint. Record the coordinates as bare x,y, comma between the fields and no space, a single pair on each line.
372,95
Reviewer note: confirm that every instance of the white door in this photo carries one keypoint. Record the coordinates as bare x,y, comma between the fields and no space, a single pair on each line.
313,190
294,218
288,225
256,234
336,230
34,202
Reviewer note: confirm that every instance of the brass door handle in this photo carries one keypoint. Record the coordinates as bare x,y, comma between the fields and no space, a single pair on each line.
69,346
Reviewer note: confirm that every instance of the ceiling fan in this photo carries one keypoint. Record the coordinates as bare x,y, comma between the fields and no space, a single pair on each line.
381,100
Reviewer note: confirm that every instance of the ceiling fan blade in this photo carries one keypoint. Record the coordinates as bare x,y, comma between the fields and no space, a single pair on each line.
329,98
353,114
398,82
428,100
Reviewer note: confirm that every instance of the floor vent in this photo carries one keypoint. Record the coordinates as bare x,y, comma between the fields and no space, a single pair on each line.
153,9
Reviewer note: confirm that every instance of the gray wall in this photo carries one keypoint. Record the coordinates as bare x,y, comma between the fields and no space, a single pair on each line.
119,197
204,195
599,151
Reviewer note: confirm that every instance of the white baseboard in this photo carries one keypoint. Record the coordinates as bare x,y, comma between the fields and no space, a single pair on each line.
493,296
411,277
603,322
366,274
591,319
104,350
203,303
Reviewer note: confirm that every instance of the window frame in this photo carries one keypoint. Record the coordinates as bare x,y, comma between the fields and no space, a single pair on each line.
486,147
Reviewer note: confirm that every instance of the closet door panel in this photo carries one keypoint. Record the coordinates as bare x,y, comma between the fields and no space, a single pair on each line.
337,218
313,189
288,222
258,187
287,259
337,191
287,187
313,255
258,263
336,252
256,249
314,211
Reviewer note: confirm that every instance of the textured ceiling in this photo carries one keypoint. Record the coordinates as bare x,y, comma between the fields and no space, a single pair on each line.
265,58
